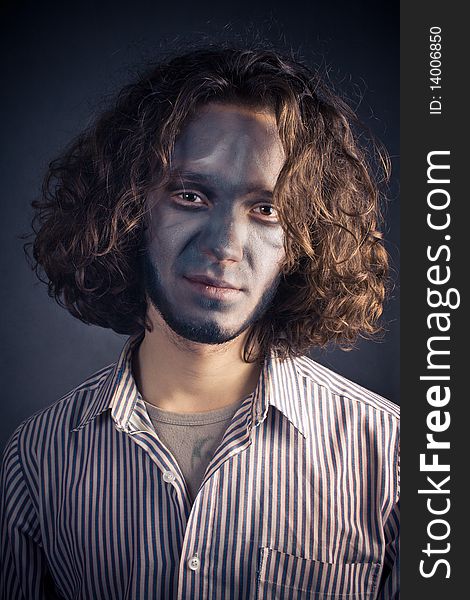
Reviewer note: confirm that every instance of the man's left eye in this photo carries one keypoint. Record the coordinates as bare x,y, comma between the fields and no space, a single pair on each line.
267,210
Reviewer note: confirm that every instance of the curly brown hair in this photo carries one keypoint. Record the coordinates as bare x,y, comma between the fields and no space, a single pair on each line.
91,219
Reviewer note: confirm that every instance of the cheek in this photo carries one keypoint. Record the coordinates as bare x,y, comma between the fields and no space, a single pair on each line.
271,243
167,237
268,254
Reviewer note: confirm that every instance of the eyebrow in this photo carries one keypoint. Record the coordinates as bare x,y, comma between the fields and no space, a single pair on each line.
209,182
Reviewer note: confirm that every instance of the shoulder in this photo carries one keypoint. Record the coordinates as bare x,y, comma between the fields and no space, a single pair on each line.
349,392
54,421
359,424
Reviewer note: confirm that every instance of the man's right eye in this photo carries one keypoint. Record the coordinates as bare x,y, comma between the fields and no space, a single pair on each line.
190,197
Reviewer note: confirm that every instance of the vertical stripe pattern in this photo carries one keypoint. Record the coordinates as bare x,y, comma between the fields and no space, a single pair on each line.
300,499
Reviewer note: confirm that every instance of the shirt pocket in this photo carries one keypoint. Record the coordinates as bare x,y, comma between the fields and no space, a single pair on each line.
285,576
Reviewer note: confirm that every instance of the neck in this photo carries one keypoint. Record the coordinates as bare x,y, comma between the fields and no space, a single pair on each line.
182,376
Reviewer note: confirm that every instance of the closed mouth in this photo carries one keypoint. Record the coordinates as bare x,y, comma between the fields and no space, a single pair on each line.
212,282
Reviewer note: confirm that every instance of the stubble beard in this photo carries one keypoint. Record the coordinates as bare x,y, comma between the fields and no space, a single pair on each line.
206,332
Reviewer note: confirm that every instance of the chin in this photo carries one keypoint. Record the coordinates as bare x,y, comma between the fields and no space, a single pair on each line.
206,333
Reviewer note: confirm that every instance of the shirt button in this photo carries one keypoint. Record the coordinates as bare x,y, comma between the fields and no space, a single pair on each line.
168,476
194,563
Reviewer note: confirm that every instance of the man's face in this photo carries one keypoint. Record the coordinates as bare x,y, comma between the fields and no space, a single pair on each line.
215,245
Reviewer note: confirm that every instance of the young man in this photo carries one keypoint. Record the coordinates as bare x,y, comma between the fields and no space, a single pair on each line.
223,216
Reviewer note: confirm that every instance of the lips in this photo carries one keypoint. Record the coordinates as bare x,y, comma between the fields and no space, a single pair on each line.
212,281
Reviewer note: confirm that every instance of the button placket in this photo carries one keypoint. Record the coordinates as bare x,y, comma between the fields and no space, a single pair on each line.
168,476
194,563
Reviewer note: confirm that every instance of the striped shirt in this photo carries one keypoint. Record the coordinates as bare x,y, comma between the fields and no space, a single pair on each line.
300,499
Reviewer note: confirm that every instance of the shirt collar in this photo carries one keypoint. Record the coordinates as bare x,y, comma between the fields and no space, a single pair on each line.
280,385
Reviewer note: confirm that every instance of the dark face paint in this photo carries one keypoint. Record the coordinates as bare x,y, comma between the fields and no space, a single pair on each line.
215,245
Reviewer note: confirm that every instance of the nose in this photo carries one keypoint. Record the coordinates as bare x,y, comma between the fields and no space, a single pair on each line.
223,237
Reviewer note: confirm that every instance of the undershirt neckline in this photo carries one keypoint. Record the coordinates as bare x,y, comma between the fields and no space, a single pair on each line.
198,418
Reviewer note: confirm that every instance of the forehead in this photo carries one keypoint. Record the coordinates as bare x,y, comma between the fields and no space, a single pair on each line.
238,142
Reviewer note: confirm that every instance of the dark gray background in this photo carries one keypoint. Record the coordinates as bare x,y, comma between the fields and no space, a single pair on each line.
61,59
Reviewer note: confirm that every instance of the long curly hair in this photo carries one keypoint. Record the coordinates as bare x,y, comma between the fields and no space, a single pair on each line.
92,216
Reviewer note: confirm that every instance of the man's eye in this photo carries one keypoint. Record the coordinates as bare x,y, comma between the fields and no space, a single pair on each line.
190,197
267,210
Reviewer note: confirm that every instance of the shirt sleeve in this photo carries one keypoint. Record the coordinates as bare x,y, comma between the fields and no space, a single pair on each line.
389,588
24,573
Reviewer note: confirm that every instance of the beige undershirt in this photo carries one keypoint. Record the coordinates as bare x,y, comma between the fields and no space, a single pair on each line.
192,438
